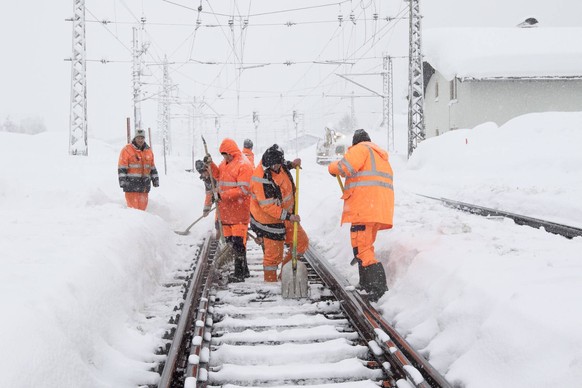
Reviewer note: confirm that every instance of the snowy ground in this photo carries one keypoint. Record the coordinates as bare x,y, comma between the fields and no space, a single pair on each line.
491,303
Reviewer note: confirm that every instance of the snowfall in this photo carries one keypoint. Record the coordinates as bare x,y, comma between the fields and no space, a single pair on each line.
490,303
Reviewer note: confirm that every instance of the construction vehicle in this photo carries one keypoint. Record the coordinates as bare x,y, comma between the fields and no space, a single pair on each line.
332,147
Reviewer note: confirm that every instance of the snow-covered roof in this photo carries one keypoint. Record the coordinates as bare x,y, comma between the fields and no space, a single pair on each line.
504,52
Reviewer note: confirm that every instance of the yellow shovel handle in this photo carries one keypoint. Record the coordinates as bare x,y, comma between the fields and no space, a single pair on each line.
294,251
339,180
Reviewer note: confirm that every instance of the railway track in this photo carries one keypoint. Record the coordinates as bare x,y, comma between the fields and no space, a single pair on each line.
550,227
246,334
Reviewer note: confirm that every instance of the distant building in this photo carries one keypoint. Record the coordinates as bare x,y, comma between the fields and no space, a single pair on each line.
476,75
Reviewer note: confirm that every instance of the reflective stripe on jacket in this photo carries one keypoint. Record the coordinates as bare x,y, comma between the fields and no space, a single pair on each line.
136,169
272,202
368,190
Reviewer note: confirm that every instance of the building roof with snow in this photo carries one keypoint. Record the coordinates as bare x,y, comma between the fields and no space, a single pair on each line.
490,53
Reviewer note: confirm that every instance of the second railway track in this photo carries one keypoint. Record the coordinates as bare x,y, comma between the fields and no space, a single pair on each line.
246,334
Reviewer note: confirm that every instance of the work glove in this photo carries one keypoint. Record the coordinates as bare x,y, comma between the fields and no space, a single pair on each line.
216,196
296,163
207,159
205,212
294,218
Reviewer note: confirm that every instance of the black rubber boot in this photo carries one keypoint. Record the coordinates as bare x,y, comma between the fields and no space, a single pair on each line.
374,281
240,261
238,275
360,285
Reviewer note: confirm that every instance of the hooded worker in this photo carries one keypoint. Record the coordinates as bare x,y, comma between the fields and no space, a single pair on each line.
248,151
368,205
137,171
233,177
272,210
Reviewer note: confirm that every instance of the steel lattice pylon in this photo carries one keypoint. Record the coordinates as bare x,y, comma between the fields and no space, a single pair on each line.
415,79
78,113
164,110
387,100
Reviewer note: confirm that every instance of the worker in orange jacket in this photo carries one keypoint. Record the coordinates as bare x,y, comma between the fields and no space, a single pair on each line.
248,151
272,208
368,205
233,177
137,171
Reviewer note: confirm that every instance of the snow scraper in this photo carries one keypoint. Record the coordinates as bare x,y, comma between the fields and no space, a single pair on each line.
187,231
294,273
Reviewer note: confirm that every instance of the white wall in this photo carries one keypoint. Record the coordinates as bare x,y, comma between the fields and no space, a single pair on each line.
495,100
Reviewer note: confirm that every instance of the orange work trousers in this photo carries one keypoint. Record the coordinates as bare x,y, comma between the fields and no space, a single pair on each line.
363,237
274,249
236,230
137,200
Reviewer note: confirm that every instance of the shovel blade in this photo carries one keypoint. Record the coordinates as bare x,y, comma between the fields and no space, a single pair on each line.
182,233
294,283
224,255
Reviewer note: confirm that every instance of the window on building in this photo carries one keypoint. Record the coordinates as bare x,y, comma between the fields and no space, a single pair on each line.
436,91
453,89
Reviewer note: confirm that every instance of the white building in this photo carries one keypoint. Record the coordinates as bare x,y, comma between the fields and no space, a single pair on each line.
476,75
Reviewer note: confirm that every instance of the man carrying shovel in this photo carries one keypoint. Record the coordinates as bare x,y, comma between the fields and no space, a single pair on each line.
272,209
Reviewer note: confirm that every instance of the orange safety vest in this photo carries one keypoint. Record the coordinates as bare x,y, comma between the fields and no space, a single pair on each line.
233,183
136,169
272,201
368,191
250,156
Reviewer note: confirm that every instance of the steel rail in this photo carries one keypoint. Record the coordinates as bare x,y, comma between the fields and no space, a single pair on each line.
372,327
392,353
178,343
550,227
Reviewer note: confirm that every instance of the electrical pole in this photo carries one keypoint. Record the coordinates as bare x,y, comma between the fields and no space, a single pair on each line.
415,81
78,112
164,109
387,99
136,72
256,122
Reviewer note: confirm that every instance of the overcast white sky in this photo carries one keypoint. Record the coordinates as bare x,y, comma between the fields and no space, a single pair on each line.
35,80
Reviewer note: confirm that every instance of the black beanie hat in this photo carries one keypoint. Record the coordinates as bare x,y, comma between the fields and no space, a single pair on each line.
200,166
273,155
359,136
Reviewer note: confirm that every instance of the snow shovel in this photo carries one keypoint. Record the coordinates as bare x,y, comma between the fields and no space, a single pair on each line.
187,231
225,253
294,272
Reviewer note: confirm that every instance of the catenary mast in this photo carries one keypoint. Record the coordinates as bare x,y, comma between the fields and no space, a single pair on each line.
415,80
78,112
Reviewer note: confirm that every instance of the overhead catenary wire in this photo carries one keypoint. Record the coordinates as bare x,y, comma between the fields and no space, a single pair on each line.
235,58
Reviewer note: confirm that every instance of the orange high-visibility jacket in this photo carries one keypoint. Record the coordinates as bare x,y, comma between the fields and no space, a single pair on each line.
272,202
368,191
233,183
250,156
136,169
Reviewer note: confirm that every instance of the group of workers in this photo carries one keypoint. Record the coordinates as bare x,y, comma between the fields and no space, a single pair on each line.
264,197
